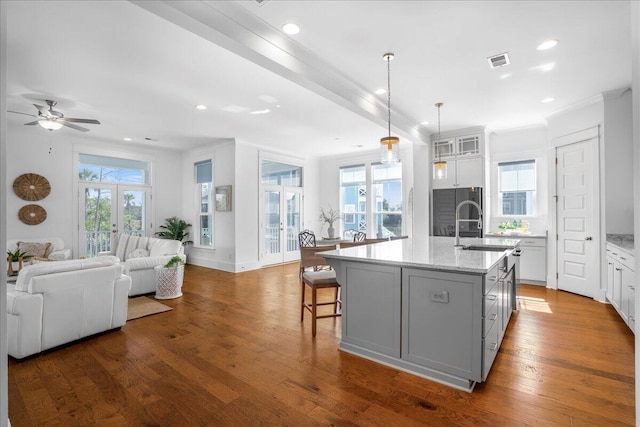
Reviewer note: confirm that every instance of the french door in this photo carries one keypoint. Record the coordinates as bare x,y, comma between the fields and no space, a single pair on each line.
107,210
280,223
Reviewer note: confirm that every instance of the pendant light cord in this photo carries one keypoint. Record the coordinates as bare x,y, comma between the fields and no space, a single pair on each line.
389,93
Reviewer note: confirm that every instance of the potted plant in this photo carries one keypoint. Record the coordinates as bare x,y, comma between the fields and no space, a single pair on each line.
169,278
329,217
14,261
175,228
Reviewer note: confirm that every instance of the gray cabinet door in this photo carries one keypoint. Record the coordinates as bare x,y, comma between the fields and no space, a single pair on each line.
371,314
442,321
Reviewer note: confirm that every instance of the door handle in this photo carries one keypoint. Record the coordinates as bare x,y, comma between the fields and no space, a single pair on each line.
588,238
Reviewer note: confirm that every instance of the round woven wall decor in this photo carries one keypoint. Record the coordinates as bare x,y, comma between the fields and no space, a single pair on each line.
32,214
31,187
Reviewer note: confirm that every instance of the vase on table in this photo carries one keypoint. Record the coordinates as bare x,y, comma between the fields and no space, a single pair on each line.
331,231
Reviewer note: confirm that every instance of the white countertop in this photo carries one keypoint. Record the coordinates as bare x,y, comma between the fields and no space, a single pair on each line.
516,234
431,252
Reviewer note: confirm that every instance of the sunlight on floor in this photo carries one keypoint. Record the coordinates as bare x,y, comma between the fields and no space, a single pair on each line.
534,304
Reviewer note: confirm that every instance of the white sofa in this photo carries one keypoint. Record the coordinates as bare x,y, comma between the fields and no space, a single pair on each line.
54,303
57,251
140,255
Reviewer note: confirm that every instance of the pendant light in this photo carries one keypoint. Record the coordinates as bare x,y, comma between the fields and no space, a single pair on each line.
389,144
439,166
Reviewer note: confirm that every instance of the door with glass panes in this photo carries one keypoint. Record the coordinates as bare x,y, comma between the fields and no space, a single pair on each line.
280,211
281,223
107,210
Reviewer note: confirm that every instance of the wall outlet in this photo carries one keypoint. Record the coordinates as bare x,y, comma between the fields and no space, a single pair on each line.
439,296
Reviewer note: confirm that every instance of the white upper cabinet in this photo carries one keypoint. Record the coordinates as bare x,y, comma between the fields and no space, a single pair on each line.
465,157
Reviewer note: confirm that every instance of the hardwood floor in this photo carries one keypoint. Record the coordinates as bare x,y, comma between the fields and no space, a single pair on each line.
233,352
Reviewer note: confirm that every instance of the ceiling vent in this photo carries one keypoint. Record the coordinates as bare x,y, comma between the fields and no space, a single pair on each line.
498,60
260,2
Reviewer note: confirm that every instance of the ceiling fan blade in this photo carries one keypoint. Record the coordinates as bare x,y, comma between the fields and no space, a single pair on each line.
80,128
43,110
89,121
32,123
18,112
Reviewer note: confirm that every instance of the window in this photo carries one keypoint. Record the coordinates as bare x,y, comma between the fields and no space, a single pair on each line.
112,169
204,182
517,187
387,187
379,205
281,174
353,197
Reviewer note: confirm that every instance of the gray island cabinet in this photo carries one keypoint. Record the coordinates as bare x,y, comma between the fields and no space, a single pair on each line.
426,307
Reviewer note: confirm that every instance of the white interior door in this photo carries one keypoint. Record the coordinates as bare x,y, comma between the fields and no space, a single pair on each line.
280,224
109,209
578,240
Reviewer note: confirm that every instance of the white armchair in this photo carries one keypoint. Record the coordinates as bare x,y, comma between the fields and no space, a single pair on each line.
56,251
140,255
54,303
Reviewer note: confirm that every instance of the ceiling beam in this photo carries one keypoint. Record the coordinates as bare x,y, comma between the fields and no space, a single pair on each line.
231,26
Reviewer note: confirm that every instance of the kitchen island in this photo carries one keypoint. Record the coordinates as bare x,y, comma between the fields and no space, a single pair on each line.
423,306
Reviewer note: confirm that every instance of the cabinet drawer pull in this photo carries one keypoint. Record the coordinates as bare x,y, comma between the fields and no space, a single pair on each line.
632,319
493,346
491,297
618,269
493,278
615,253
633,288
623,258
494,316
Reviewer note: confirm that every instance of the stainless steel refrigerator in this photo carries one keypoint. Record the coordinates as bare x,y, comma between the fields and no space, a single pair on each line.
444,203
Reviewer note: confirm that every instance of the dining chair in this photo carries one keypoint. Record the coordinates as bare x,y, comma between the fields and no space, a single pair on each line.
348,234
359,236
316,274
306,239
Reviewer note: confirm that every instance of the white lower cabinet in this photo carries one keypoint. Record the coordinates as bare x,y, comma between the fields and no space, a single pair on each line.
533,261
621,283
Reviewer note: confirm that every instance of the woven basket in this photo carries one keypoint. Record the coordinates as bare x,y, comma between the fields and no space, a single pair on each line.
31,187
169,281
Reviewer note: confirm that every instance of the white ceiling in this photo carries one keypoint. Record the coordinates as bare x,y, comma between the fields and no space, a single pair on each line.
140,67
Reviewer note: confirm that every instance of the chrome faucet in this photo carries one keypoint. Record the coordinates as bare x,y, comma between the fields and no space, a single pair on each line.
479,220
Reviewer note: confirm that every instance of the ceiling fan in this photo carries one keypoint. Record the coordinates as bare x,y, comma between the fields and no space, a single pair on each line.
54,120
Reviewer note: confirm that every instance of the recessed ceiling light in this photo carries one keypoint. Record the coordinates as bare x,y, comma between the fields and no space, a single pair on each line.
424,123
547,44
380,91
201,107
505,76
291,28
550,99
127,139
265,111
544,67
235,109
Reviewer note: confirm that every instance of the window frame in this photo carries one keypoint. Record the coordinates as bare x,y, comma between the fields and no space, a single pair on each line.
199,213
534,192
369,203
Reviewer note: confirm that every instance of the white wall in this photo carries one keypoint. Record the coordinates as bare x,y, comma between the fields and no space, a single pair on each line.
618,164
58,167
4,412
247,180
515,145
635,63
223,155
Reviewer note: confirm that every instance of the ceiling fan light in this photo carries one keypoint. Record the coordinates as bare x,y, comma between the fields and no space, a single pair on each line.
50,124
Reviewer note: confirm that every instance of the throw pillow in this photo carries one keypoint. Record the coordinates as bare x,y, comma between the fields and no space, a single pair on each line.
35,249
138,253
165,247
